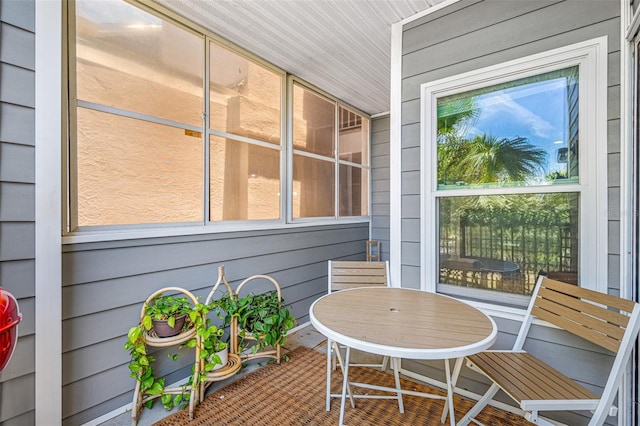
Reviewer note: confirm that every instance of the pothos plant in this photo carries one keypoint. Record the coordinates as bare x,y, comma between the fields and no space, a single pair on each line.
211,337
261,316
141,363
167,308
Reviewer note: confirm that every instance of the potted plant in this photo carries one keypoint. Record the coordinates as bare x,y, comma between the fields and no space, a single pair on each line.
262,317
213,349
167,315
173,315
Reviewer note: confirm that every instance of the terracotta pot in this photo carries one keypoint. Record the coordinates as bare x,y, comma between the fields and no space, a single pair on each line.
163,329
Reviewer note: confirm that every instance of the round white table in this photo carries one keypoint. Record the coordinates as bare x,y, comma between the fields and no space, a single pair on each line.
403,323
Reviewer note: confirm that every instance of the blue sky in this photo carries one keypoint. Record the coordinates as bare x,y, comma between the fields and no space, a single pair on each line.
536,111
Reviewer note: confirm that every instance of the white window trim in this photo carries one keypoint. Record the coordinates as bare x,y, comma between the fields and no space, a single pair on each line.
50,68
591,56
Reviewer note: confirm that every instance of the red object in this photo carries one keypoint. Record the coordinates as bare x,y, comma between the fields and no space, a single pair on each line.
9,319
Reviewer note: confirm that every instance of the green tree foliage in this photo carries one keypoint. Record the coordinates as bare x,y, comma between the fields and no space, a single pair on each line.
487,159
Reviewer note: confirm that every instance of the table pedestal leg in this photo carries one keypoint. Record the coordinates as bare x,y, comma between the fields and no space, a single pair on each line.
451,384
345,382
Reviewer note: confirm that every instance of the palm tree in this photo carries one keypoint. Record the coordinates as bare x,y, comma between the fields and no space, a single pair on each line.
455,116
488,159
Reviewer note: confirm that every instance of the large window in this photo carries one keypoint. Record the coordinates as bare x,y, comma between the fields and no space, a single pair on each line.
139,97
510,192
171,126
245,113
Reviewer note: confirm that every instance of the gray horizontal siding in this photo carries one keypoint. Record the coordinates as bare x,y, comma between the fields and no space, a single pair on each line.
380,183
17,46
105,285
473,34
17,126
19,13
17,201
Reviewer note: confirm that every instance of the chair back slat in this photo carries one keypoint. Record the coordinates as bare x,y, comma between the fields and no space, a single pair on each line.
595,296
353,274
585,313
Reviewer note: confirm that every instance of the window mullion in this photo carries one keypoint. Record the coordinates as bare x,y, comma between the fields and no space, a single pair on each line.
206,134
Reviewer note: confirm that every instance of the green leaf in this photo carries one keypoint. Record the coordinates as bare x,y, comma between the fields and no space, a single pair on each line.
167,401
134,333
146,383
157,388
146,322
177,399
171,322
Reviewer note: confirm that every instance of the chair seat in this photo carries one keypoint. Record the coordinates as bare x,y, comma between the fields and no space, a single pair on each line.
525,378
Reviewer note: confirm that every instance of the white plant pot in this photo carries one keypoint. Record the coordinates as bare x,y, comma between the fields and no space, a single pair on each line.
224,357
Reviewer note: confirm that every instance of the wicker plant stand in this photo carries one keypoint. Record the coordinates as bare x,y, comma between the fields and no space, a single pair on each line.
140,398
234,363
270,352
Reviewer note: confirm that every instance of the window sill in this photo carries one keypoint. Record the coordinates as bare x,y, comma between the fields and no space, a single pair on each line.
91,236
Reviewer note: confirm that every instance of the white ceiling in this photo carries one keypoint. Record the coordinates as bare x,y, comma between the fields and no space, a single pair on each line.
341,46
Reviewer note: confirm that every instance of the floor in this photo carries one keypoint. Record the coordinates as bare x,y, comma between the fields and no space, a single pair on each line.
305,336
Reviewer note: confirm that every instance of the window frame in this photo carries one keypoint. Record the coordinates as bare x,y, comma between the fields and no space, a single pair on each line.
71,233
591,57
293,80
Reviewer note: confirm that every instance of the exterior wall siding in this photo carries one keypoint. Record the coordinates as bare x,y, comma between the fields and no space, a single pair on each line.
105,285
380,170
17,201
473,34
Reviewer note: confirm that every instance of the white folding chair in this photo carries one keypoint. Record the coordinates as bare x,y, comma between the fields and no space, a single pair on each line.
344,275
605,320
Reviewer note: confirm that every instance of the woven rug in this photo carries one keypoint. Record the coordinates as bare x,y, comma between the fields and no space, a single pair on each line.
293,393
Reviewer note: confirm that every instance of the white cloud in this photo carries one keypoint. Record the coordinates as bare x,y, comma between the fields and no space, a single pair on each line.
502,105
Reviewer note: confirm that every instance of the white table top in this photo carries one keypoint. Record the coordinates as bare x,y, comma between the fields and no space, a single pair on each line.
403,323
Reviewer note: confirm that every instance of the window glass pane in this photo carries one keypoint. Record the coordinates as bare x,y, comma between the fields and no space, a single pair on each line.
353,137
313,123
313,187
245,96
131,172
130,59
244,181
502,242
354,191
523,132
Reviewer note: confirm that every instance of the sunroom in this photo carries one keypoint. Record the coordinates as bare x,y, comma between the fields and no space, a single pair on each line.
144,143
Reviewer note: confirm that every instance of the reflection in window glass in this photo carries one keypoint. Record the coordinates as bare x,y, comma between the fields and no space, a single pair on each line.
245,96
130,59
523,132
314,121
244,181
353,137
354,191
313,187
502,242
154,177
